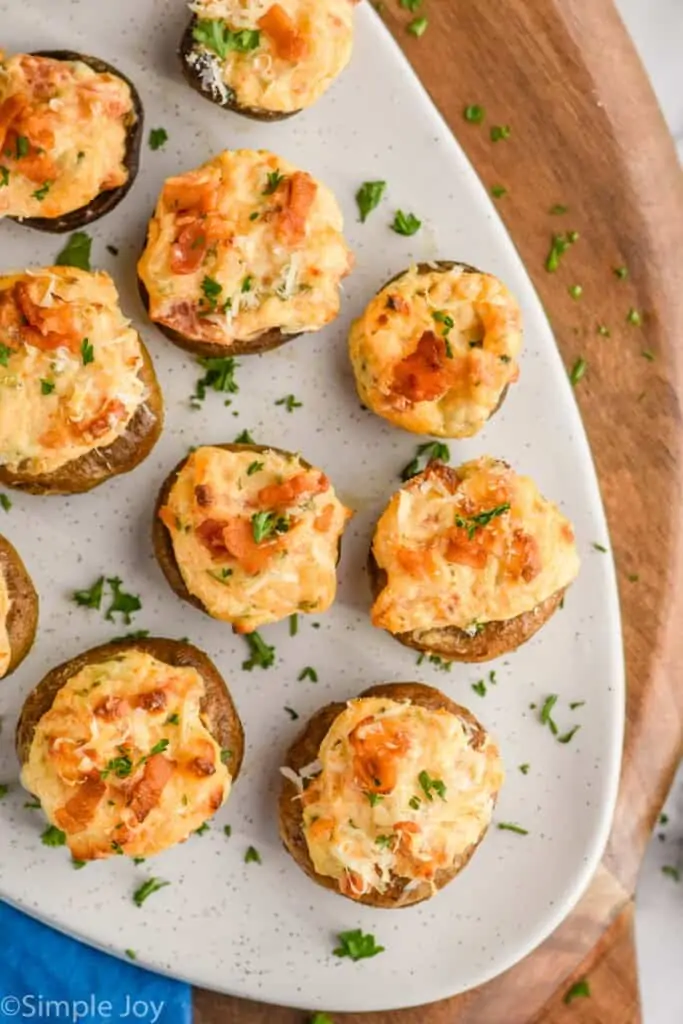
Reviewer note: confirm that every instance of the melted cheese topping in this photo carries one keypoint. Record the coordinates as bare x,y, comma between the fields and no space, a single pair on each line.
111,767
402,792
434,352
301,47
241,246
63,131
5,605
255,535
70,380
468,546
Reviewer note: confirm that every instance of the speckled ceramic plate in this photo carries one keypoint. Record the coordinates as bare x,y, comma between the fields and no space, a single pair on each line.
265,931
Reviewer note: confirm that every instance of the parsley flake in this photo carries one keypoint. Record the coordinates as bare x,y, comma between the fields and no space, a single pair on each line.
215,35
474,113
290,403
121,602
53,836
509,826
524,769
87,352
152,885
265,524
244,438
219,375
480,688
76,252
634,317
428,785
480,520
558,209
41,192
405,223
498,191
5,353
500,132
47,387
4,176
578,371
274,179
5,503
292,713
425,454
158,137
357,945
252,856
91,598
621,273
308,673
368,197
418,27
558,247
254,467
262,654
578,990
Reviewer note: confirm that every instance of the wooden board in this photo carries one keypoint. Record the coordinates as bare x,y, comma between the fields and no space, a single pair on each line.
586,132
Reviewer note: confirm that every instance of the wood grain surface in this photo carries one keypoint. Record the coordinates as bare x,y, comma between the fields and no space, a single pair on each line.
586,131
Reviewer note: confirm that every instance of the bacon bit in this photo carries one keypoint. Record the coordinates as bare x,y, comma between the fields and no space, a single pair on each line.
153,700
112,413
300,190
111,708
202,766
321,828
11,320
235,537
425,374
351,884
323,522
203,495
190,194
416,561
398,304
288,41
53,326
378,744
473,552
145,794
216,799
79,811
10,110
189,249
285,494
210,533
437,473
523,557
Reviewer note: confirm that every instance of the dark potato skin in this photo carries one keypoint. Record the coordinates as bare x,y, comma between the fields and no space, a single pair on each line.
22,619
218,710
98,465
105,202
161,538
453,644
305,750
208,349
230,103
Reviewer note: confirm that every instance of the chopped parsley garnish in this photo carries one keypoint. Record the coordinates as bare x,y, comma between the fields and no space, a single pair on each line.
648,354
220,575
558,247
480,688
211,290
47,387
202,829
77,864
252,856
621,273
599,547
500,132
324,1018
524,769
227,830
430,785
411,5
436,661
567,736
219,375
158,748
247,284
481,519
498,191
442,317
131,954
90,598
474,113
31,805
578,990
158,137
152,885
274,179
373,798
4,790
546,713
226,755
418,27
262,654
577,371
634,317
671,872
603,331
384,842
5,353
121,602
509,826
5,503
41,192
221,40
87,352
121,767
244,438
576,704
575,290
415,803
53,836
292,713
368,197
254,215
290,403
293,624
663,819
135,634
633,577
254,467
558,209
22,146
425,454
173,719
139,860
4,176
76,252
357,945
308,673
405,223
266,524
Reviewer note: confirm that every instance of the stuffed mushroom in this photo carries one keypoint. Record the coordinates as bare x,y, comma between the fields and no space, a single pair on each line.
70,134
243,254
79,399
18,609
266,60
437,348
387,797
130,747
469,563
249,534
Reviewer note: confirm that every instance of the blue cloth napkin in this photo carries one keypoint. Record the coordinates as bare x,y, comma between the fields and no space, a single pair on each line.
49,978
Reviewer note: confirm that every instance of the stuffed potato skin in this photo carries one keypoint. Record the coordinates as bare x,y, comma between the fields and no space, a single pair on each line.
456,375
107,199
22,618
304,751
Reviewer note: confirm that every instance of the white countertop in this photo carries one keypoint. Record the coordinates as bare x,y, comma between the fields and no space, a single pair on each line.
657,29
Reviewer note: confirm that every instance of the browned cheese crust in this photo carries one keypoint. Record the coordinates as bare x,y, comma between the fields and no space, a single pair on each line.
305,750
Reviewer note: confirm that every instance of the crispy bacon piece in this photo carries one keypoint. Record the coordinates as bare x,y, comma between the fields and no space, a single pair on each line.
146,793
235,537
288,493
111,708
80,809
299,191
153,700
424,375
48,327
10,110
523,557
112,413
203,766
417,562
189,249
288,41
203,495
190,194
351,884
378,745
